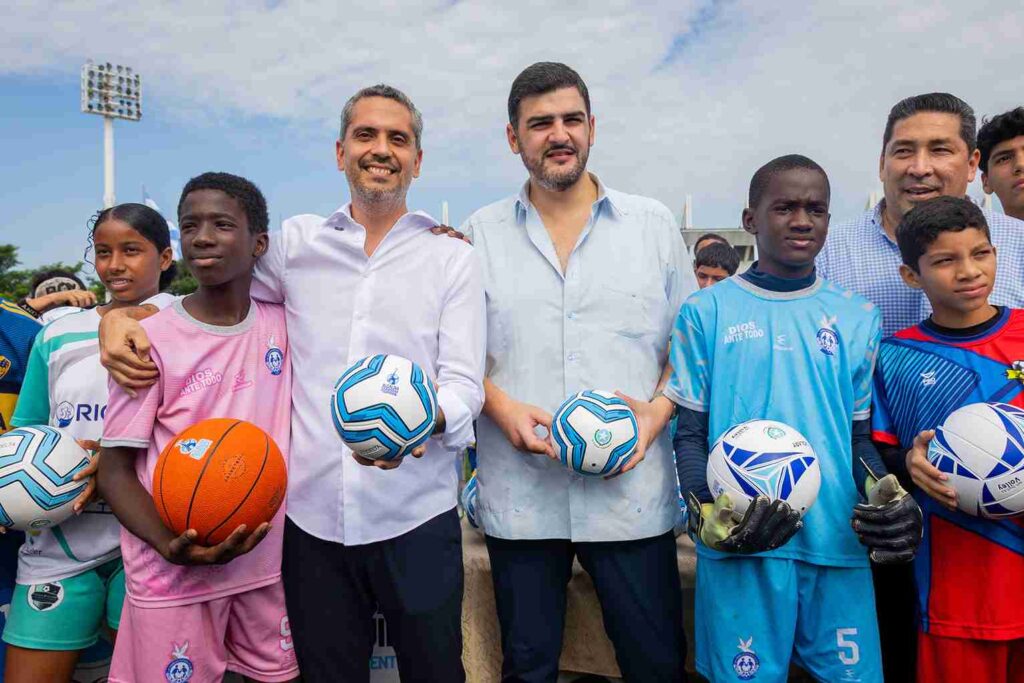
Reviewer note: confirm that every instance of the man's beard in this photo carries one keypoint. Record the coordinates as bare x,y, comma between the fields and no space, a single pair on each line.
378,197
561,180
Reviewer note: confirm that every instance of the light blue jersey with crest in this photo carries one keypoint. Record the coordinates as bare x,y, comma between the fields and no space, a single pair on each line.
804,358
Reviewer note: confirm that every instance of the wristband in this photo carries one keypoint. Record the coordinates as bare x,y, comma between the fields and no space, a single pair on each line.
25,306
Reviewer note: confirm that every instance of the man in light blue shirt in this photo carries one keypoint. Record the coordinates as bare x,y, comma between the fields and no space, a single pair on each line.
583,284
928,149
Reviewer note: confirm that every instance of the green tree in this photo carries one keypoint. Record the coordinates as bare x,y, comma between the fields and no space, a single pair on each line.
14,282
183,283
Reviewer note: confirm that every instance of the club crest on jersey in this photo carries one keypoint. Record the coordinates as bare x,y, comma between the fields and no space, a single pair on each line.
274,358
391,386
1016,371
5,366
65,413
180,669
746,663
828,341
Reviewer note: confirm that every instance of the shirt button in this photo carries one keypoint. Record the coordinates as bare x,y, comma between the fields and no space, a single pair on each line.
572,315
572,356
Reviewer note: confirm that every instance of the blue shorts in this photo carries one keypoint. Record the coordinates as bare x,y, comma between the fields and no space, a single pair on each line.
753,614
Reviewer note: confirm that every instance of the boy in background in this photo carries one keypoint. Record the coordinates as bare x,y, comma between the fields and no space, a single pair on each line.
219,353
714,263
1001,143
967,351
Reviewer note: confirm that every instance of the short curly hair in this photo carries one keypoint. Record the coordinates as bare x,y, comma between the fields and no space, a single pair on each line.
242,189
1001,128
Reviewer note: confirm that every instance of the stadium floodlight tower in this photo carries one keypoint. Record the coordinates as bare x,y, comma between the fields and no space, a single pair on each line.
113,91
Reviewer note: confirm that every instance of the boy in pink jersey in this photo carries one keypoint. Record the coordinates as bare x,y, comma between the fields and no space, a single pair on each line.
194,612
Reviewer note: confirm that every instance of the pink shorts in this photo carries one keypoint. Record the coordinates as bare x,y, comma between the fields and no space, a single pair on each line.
247,633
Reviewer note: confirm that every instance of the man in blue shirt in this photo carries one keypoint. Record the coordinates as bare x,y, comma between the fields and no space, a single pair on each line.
929,148
770,586
582,285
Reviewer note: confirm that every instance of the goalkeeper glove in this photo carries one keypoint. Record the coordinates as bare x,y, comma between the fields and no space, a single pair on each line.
890,524
764,526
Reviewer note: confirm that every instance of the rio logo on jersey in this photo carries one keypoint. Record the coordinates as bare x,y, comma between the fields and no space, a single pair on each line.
180,669
746,663
66,413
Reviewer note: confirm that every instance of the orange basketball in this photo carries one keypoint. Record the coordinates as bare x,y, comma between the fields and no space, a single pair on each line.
217,474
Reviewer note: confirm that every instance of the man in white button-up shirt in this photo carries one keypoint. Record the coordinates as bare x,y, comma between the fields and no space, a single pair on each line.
583,284
369,279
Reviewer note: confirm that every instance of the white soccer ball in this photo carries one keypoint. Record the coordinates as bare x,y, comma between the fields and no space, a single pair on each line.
764,457
469,498
384,406
36,467
595,432
981,448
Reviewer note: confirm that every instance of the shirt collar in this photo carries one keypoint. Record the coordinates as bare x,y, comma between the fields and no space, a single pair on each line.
604,198
876,223
342,219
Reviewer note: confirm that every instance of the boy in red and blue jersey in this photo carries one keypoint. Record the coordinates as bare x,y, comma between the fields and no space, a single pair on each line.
968,569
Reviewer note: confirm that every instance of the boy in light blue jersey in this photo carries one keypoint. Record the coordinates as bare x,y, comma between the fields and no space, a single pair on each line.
779,343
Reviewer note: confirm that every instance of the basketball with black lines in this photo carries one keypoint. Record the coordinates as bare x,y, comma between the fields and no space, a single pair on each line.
216,475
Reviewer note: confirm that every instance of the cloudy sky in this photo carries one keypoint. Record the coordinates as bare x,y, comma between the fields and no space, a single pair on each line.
690,95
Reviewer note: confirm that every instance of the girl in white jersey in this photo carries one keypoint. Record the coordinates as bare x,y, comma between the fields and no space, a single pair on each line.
70,577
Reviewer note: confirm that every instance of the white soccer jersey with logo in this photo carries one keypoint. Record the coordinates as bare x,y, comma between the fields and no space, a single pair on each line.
65,386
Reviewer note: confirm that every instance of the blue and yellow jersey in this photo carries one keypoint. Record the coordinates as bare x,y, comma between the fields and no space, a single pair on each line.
18,330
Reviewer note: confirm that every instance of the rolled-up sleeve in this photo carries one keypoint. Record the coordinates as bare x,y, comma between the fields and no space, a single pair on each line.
462,337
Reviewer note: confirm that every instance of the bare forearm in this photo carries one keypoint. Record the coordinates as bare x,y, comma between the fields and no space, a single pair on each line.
128,498
494,399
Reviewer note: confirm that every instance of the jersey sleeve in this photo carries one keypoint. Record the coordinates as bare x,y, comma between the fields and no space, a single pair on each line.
863,377
882,428
689,383
268,276
33,406
129,421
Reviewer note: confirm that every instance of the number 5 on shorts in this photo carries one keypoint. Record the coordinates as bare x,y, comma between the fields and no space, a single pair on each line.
849,652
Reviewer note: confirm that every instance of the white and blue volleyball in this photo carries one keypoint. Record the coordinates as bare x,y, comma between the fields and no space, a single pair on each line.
764,457
595,432
36,469
469,498
981,448
384,406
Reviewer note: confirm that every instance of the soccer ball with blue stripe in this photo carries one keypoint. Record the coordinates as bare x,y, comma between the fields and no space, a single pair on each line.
470,497
36,469
981,448
595,432
764,457
384,406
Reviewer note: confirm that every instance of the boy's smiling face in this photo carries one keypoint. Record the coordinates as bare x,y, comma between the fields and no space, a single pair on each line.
957,271
216,241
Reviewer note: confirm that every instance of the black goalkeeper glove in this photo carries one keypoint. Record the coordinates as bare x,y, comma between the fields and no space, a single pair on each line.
764,526
890,524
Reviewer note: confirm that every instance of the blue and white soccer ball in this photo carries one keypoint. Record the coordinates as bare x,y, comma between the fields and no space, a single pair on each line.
981,447
36,467
595,432
384,406
470,496
764,457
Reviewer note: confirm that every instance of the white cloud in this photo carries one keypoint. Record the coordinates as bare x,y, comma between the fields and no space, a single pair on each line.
752,79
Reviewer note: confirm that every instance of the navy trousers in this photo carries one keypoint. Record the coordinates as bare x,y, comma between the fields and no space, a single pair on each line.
415,580
637,585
